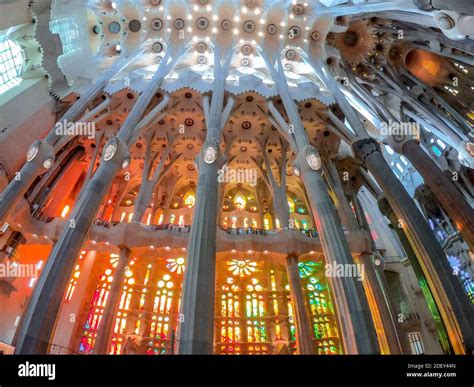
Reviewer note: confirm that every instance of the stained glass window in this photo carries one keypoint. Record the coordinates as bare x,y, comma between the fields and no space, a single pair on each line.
241,267
176,265
189,200
266,223
254,312
416,343
97,305
320,308
148,308
251,308
242,325
74,278
291,204
239,201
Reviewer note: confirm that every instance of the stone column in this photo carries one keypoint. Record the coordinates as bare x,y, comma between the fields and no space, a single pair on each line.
102,341
101,345
343,207
443,188
278,189
304,340
69,320
196,330
374,289
281,207
335,247
258,196
197,308
458,311
336,251
382,315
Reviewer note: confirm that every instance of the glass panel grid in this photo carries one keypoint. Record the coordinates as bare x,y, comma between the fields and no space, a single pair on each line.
11,62
69,33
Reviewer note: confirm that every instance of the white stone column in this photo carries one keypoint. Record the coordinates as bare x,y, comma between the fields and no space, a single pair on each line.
304,338
196,329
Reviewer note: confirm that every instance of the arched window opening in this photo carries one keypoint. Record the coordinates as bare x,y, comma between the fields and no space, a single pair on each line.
11,63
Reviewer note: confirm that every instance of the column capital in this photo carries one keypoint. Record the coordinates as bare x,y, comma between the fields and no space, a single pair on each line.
364,148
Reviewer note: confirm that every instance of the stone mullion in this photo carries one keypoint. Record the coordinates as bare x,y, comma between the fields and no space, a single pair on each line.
282,307
243,318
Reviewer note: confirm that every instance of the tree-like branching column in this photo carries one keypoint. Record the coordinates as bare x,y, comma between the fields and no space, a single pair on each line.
277,188
335,247
196,329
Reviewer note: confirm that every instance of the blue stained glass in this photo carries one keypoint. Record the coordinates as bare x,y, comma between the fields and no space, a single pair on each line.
436,150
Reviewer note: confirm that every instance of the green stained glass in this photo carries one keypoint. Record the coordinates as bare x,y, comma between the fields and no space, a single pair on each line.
308,268
293,332
443,335
319,303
